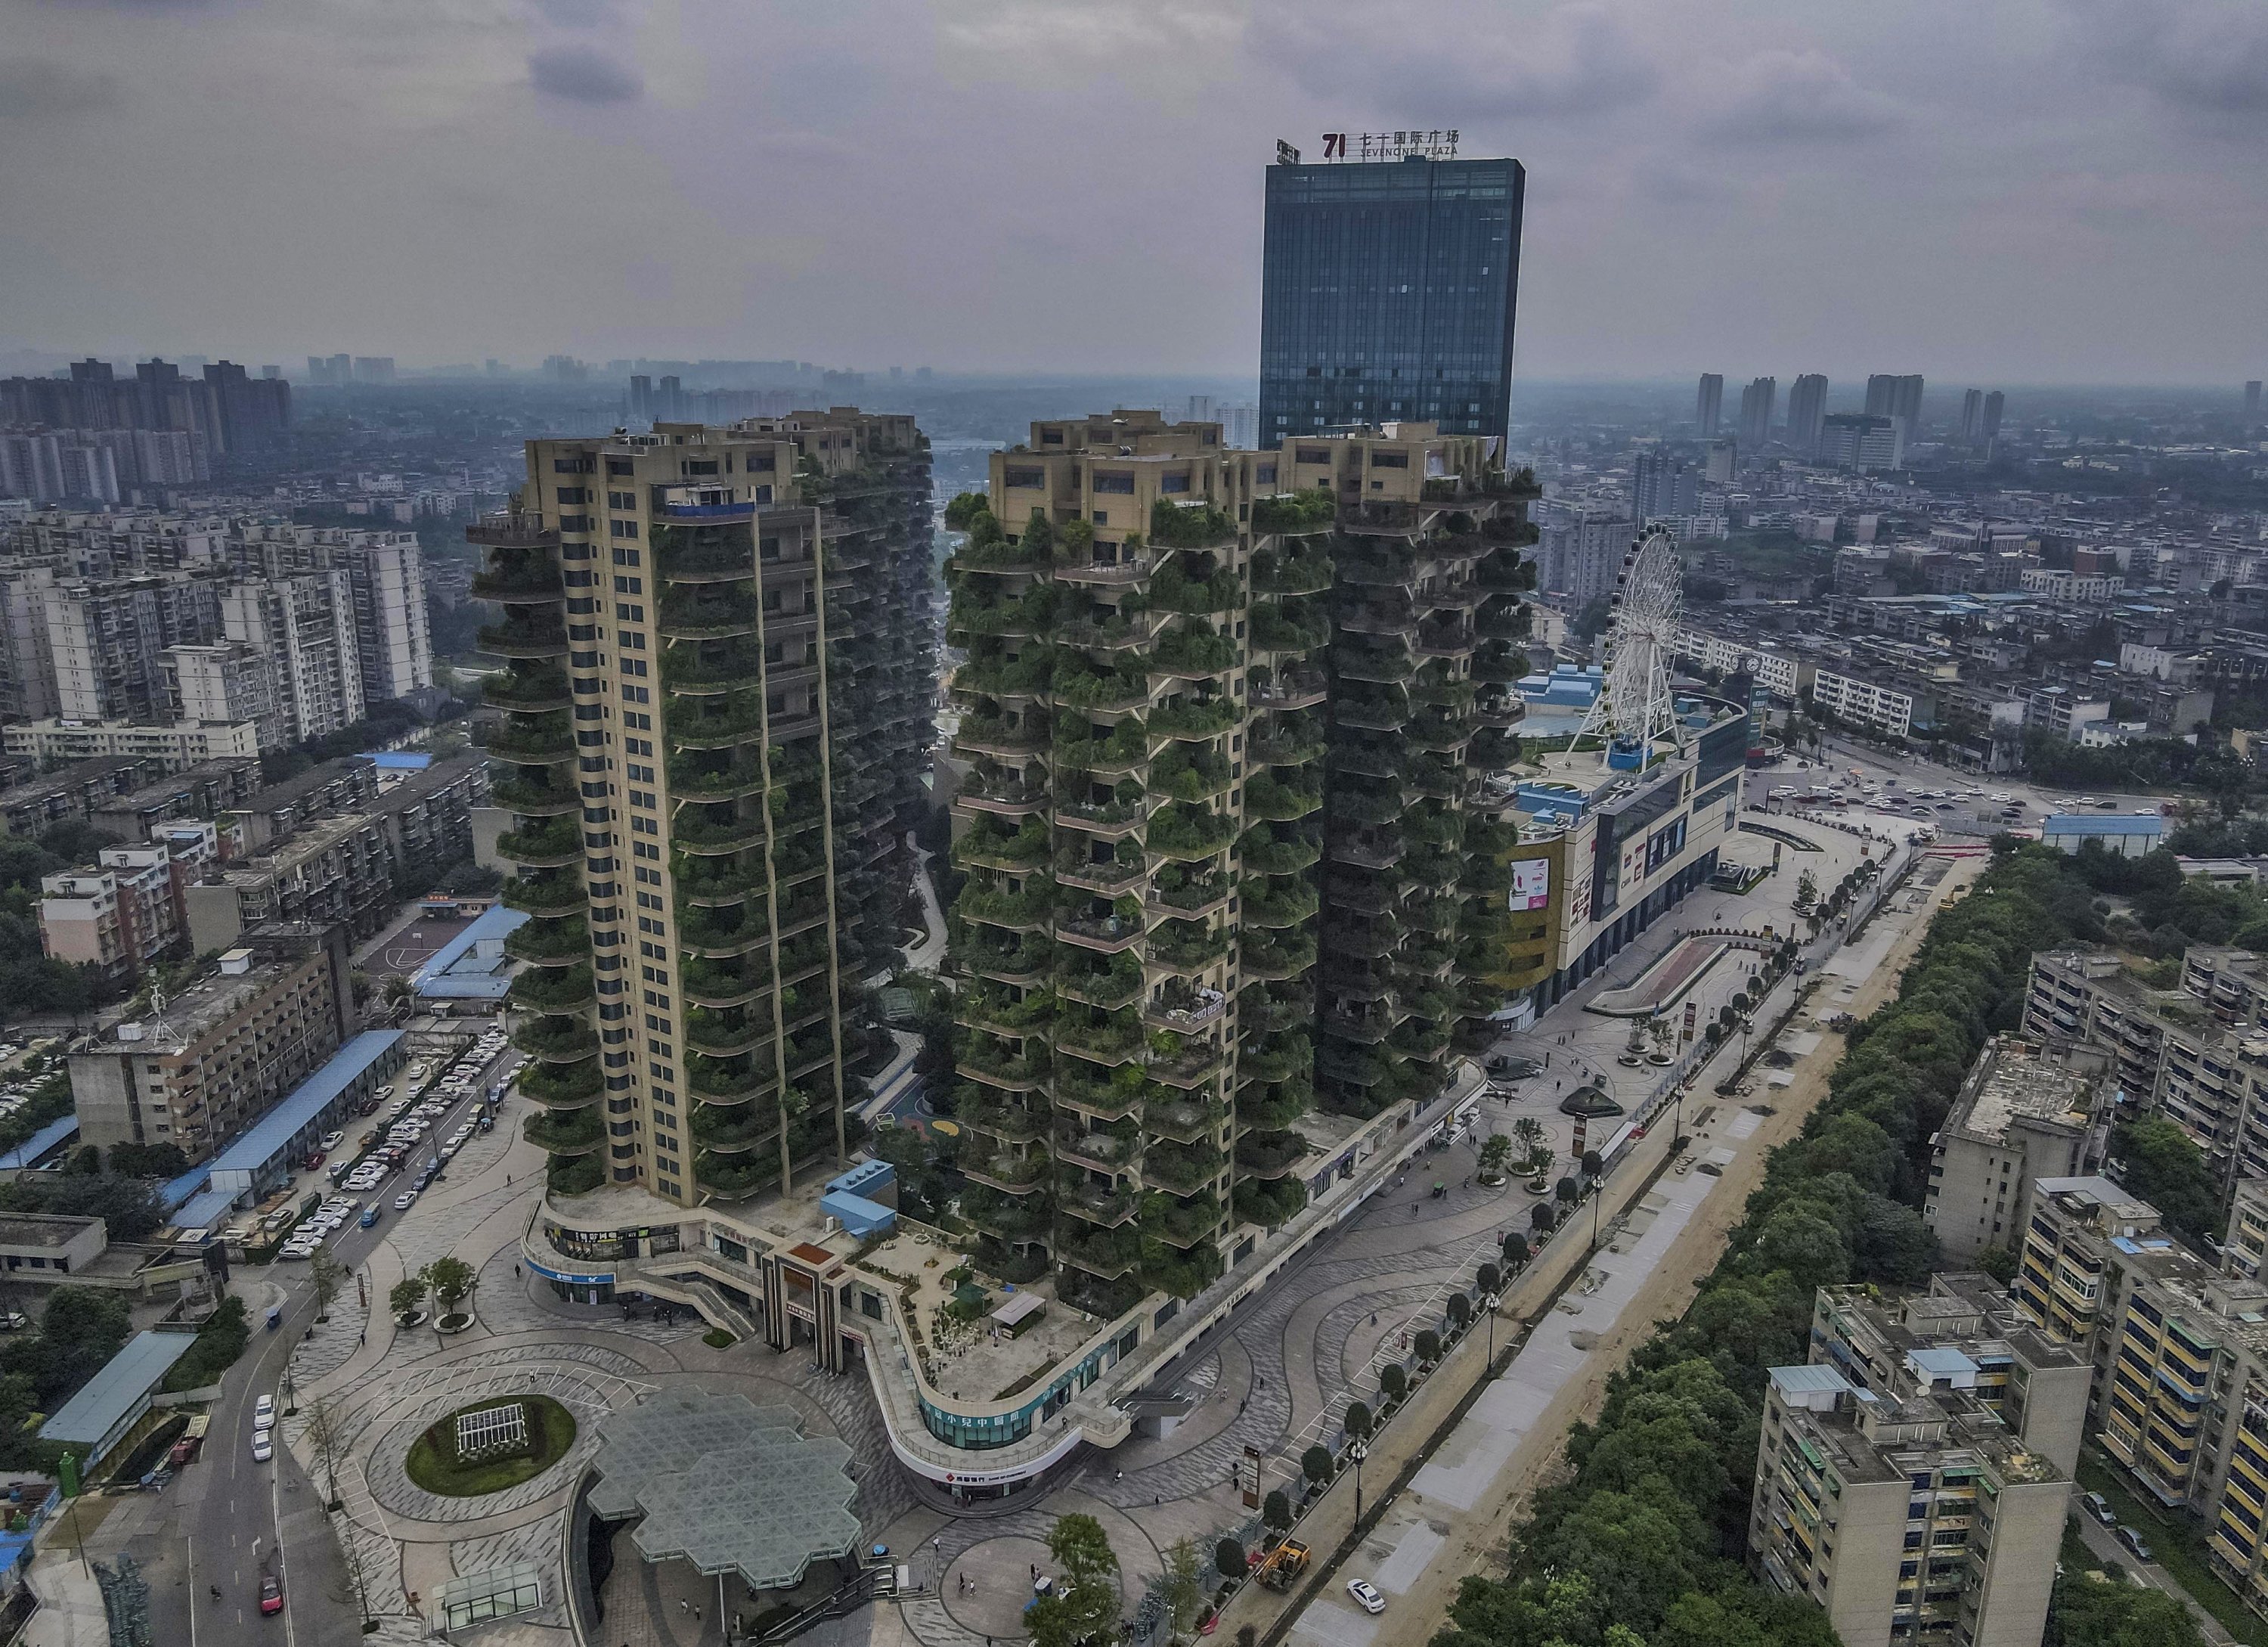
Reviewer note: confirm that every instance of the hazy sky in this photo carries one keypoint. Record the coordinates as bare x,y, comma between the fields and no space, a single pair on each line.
2024,190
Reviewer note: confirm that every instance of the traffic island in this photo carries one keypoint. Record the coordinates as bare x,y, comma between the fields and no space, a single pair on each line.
490,1446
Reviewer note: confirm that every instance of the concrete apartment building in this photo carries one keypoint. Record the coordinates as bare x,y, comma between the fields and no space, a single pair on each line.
106,642
199,1069
385,574
126,913
1923,1508
2028,1110
2197,1053
1579,550
717,702
172,748
74,792
228,683
202,792
305,624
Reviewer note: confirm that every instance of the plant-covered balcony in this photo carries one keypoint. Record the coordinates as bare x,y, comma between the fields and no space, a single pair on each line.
1010,1119
708,775
1275,1056
1186,946
1286,689
1192,650
1105,1149
989,550
1267,852
1109,876
999,842
983,731
1181,890
1087,927
532,799
1295,514
1004,1170
1292,739
1184,716
1273,959
1106,986
545,846
997,675
534,739
1193,525
988,1059
731,1081
1105,1300
1271,1204
1102,1039
713,720
556,1039
979,610
1269,1155
713,667
526,690
1189,833
709,611
1270,799
1104,1253
1354,805
1178,1221
1183,1116
564,1086
1121,748
723,932
568,1176
1009,1217
734,1176
1173,588
1008,957
1189,772
524,634
549,942
567,1132
542,894
721,983
1078,683
1103,1094
734,1127
1104,1204
727,1033
996,1008
1274,629
547,989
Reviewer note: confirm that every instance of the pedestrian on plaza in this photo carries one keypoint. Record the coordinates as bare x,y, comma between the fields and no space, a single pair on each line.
683,1606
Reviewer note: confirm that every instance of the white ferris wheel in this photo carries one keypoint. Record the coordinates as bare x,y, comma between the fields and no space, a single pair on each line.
1634,706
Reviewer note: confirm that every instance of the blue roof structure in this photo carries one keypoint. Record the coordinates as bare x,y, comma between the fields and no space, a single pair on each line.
397,760
273,1134
2110,823
470,966
204,1209
183,1187
109,1396
27,1154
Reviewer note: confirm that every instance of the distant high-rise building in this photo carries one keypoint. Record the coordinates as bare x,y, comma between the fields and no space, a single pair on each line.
1858,440
1972,415
1807,405
1386,292
1989,427
1890,396
2252,401
1663,486
1202,409
1756,402
373,368
641,399
1239,427
1709,404
1724,458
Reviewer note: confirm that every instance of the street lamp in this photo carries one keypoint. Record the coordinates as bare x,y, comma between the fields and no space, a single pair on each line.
1489,1302
1357,1451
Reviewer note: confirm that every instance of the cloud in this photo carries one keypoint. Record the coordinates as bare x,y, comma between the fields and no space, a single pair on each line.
1463,65
583,75
1802,97
35,88
1078,33
2198,57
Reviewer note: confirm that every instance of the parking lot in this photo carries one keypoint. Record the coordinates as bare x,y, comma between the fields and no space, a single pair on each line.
425,1116
1857,783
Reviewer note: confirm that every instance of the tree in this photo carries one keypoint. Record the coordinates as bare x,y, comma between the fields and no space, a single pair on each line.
1275,1511
1489,1278
1316,1463
328,1275
2159,1164
1514,1253
1542,1216
1182,1585
1461,1309
147,1161
1565,1191
1083,1609
1358,1420
1496,1156
1998,1262
2090,1611
1591,1163
1393,1381
1228,1559
1429,1346
406,1296
1528,1132
1807,889
451,1279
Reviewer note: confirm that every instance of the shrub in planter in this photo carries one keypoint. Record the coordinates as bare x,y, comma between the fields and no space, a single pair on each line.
1275,1511
1316,1463
1393,1382
1358,1420
1489,1278
1461,1309
1228,1557
717,1338
1429,1346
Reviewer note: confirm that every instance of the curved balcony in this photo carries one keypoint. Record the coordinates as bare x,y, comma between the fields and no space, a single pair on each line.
556,1040
1013,911
511,530
1184,1118
1182,1170
1104,1152
1275,1058
1269,1155
1279,574
1284,748
727,669
733,1178
1106,935
1295,514
1192,900
690,556
1102,1098
1022,960
1273,961
708,836
568,1133
1110,1042
1182,777
545,990
1383,712
1007,1217
1289,908
1278,1109
1010,1073
529,691
1010,1173
1032,676
714,1036
1189,654
690,780
1437,734
1106,988
1105,1207
1267,798
1099,694
735,1129
549,942
1002,796
533,743
1272,631
569,1087
1012,1123
995,735
530,583
548,846
1199,720
697,616
530,799
1186,834
1106,1254
523,640
1291,689
1264,855
1107,879
730,882
699,933
686,727
1350,805
719,987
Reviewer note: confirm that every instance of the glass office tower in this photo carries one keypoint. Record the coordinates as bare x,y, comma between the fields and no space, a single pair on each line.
1386,292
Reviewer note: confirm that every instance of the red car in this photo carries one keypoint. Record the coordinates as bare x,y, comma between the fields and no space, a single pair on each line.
271,1595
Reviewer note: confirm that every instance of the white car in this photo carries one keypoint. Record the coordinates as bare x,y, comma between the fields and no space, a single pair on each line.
1366,1595
262,1449
263,1413
330,1142
401,1202
449,1151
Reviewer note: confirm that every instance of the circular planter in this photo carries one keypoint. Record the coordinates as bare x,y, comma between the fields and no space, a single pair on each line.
454,1323
415,1319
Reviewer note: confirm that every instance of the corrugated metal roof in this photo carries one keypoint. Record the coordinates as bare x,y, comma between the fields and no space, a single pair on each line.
203,1211
39,1144
1810,1378
108,1396
280,1125
442,977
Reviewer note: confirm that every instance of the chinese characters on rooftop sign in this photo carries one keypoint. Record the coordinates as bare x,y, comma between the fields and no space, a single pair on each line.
1390,146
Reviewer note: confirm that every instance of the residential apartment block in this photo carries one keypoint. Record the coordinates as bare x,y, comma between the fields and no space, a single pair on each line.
126,913
1908,1477
2197,1053
2028,1110
208,1061
716,714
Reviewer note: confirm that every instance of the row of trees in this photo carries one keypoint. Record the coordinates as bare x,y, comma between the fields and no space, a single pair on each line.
1643,1536
447,1278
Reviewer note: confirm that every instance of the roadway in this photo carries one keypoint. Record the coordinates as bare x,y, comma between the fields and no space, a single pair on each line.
222,1515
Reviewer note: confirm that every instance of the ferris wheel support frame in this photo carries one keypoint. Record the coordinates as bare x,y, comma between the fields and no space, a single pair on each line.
1635,706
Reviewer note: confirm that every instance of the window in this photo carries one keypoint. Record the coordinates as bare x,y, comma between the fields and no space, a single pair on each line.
626,557
1120,483
622,528
620,500
572,465
1030,479
574,494
628,585
619,466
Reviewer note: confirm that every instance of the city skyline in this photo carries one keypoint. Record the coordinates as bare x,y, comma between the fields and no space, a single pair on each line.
1689,167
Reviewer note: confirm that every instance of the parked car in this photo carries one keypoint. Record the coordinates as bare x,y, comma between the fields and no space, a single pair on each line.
1366,1595
2099,1507
271,1596
262,1449
2133,1542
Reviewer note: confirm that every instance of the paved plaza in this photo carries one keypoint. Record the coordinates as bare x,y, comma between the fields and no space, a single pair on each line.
1275,1379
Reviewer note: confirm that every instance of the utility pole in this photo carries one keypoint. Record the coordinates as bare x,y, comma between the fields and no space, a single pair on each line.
1359,1450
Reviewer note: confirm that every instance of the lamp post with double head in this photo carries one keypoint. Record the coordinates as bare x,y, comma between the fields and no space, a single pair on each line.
1357,1451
